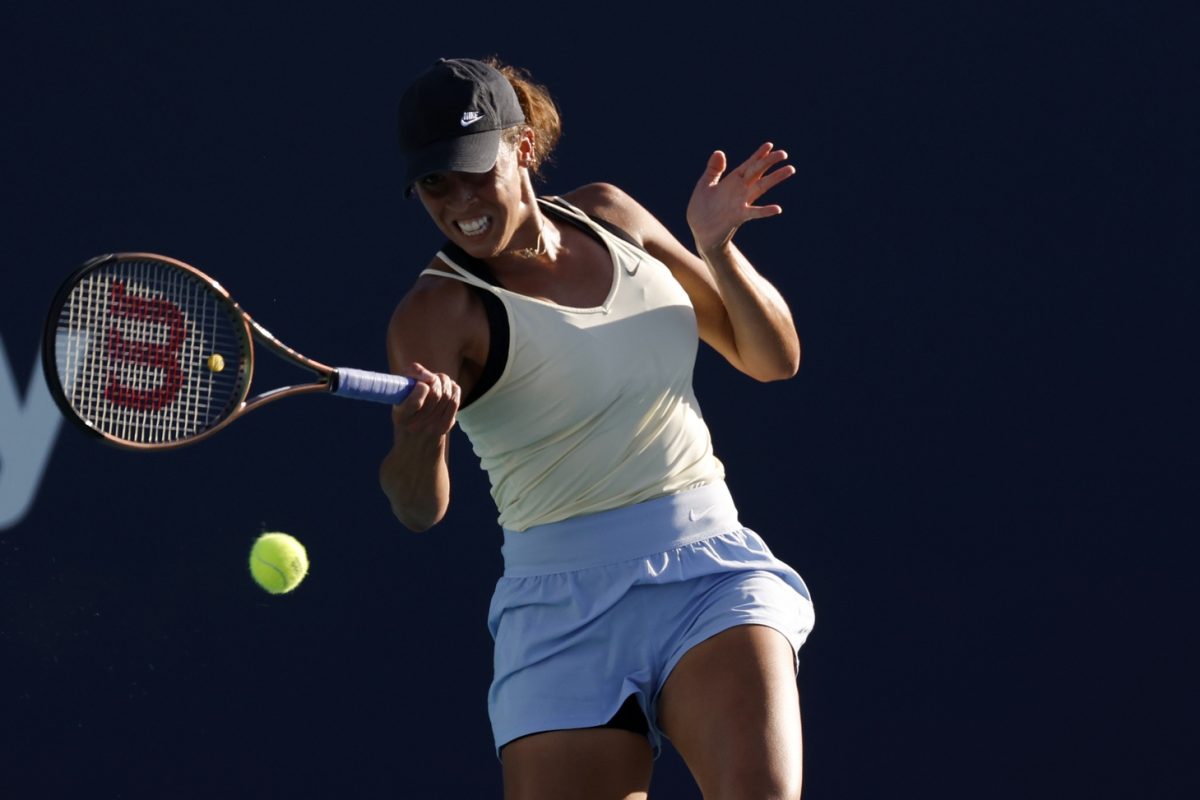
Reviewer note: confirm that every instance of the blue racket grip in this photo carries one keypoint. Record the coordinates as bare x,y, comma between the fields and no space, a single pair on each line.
380,387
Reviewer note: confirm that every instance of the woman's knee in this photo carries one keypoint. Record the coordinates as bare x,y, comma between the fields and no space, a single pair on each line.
755,783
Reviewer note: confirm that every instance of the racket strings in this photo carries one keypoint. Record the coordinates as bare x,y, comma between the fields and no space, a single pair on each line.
134,350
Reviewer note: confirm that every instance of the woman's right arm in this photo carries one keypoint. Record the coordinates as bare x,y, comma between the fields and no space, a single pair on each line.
432,337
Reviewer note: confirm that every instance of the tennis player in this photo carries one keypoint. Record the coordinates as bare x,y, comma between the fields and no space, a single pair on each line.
561,333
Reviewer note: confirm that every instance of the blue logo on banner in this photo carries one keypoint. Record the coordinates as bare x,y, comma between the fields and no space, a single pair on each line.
28,428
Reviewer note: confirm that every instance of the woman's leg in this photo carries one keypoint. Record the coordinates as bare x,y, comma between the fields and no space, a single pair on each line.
732,709
599,763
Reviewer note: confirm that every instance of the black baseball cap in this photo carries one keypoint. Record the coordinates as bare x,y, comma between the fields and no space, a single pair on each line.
451,118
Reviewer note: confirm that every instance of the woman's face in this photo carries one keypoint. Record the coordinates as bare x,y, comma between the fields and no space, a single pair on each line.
479,212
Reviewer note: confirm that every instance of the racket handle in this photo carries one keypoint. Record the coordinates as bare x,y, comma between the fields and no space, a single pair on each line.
380,387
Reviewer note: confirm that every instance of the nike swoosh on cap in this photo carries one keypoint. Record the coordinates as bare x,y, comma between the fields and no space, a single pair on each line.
470,118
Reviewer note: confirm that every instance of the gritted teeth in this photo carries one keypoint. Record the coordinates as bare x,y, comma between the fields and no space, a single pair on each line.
473,227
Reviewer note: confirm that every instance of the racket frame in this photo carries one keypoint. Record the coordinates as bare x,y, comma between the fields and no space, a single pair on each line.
327,375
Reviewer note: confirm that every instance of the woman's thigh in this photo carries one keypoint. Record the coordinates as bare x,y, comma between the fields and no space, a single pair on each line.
731,707
601,763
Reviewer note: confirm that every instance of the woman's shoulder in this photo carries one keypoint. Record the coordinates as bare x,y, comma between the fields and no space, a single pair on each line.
437,322
600,197
436,294
612,204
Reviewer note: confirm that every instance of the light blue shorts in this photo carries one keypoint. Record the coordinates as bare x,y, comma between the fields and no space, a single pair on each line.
593,610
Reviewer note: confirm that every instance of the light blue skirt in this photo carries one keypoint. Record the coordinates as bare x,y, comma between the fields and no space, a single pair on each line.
595,609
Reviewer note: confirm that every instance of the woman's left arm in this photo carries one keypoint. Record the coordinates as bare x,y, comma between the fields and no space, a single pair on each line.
760,324
738,311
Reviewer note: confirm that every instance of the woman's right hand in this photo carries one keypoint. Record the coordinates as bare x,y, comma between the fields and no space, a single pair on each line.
431,408
414,474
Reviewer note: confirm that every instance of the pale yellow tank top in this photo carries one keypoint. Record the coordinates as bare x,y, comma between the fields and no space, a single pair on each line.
594,408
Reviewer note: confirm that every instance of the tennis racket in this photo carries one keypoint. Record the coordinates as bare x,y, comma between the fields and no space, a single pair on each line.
149,353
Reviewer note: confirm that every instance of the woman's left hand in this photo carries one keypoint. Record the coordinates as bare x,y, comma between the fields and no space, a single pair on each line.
720,205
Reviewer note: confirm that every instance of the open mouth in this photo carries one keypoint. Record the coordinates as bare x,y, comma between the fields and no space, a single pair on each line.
473,227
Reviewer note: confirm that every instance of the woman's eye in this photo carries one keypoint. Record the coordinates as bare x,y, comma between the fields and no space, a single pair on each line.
433,185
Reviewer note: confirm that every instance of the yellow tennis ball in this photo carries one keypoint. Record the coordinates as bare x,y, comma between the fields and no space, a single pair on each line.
216,362
278,562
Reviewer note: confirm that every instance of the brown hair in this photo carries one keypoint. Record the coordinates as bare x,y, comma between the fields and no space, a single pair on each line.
541,113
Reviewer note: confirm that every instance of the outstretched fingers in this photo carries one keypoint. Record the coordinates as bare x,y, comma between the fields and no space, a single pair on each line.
723,200
761,160
760,174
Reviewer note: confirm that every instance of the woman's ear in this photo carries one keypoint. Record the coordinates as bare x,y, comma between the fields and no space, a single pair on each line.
526,150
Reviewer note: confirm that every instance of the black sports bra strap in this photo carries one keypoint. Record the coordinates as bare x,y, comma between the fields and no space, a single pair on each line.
562,207
498,345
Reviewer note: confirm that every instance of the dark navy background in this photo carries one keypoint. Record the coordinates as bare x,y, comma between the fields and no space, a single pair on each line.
985,468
